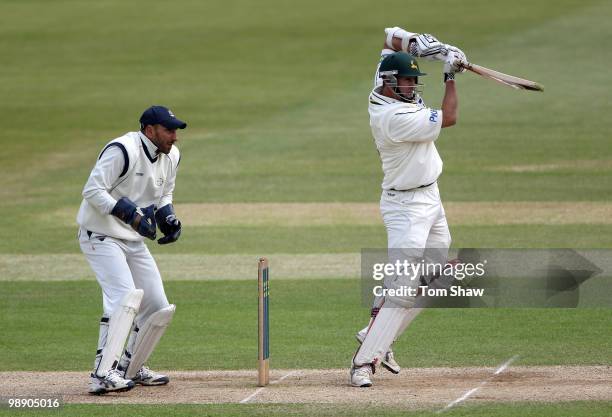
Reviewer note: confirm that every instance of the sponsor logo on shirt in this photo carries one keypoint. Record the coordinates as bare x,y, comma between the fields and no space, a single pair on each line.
434,116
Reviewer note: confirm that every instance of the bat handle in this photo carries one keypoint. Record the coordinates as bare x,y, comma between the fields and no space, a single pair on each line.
467,66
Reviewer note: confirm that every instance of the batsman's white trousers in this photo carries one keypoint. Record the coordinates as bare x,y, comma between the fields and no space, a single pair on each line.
415,219
415,223
121,266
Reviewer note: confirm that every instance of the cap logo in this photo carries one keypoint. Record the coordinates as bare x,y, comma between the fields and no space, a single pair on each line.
413,65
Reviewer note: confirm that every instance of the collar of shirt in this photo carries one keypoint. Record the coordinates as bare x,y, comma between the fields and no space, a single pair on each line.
376,97
153,150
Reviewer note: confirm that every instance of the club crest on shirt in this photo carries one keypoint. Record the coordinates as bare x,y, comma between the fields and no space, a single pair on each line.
159,182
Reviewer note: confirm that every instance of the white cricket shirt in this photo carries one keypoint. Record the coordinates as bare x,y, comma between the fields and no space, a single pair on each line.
128,166
404,134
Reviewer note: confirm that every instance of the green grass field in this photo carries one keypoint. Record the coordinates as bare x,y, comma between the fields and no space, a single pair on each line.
576,409
226,329
275,97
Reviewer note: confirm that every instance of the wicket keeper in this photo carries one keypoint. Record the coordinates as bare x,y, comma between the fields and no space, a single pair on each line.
127,197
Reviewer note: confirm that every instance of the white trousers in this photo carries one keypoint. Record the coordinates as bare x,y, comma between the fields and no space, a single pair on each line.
415,219
416,228
121,266
415,223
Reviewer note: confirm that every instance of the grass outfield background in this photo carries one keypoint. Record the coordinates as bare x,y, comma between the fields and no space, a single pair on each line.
313,324
571,409
275,96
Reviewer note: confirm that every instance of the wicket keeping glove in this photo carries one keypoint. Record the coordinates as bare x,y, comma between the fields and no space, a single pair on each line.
141,219
169,225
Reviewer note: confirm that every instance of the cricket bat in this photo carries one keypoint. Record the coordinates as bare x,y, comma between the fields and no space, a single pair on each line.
500,77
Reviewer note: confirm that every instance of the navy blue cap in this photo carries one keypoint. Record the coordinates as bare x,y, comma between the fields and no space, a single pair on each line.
160,115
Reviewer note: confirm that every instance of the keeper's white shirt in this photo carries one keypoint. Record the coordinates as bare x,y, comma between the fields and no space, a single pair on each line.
129,166
404,134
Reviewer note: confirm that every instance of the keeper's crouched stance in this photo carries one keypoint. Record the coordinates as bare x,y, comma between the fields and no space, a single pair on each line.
127,197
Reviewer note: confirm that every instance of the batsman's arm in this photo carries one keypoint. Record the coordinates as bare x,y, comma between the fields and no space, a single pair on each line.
450,104
398,39
423,45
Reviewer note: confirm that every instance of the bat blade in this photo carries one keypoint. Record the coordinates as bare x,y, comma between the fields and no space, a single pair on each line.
506,79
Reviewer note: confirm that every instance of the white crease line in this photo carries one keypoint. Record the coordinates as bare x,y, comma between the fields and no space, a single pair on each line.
283,377
505,365
465,396
260,389
250,397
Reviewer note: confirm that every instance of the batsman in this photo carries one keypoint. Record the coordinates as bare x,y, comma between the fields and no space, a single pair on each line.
405,131
127,197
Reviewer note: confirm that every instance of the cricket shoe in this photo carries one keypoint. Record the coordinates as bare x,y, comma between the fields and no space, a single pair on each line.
145,376
388,360
361,376
112,382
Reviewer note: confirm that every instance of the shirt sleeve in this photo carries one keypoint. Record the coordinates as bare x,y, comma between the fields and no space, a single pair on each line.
420,124
107,170
167,195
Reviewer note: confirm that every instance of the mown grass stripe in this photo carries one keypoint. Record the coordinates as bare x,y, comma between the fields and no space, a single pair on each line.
74,267
473,213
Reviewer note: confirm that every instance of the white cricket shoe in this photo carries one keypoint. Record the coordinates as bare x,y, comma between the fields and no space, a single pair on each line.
145,376
388,360
112,382
361,376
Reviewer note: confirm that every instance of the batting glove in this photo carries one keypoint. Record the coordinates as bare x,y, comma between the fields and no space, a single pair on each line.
428,47
459,57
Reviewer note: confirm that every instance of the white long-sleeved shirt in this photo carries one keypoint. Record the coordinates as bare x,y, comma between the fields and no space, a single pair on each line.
404,134
129,166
